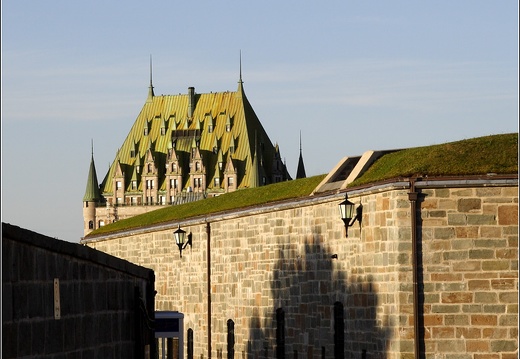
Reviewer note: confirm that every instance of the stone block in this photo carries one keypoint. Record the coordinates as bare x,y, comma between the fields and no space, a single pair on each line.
467,205
486,297
496,265
457,297
508,215
504,345
457,219
487,320
479,220
444,233
482,254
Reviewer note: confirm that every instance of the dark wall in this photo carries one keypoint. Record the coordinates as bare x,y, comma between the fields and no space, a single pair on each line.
105,303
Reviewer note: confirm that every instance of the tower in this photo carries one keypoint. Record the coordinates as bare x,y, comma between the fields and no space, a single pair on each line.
91,198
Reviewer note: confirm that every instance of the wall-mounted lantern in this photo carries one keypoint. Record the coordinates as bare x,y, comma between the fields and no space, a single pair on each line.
346,210
180,237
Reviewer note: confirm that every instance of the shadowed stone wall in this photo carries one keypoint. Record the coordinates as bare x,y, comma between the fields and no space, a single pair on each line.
292,283
61,299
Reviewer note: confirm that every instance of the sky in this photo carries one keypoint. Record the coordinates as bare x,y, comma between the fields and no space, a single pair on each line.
349,76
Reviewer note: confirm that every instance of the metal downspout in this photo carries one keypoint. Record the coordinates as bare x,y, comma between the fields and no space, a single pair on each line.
208,248
412,196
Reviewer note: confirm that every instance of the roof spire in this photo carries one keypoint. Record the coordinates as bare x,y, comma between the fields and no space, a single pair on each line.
240,80
150,89
240,89
300,171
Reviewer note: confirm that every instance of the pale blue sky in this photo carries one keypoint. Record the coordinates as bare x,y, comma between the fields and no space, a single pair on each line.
351,76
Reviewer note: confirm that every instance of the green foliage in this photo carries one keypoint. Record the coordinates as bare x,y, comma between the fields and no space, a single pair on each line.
229,201
489,154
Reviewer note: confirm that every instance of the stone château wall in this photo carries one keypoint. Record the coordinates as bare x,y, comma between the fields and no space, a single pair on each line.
284,276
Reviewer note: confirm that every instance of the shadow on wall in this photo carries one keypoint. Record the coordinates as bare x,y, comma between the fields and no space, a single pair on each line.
318,311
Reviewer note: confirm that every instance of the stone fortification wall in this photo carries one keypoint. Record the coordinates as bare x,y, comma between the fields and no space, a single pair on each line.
285,277
61,299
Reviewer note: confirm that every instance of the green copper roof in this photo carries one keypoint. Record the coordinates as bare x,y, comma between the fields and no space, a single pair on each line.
223,118
92,190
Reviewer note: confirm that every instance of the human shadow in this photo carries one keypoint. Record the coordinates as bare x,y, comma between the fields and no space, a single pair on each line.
318,311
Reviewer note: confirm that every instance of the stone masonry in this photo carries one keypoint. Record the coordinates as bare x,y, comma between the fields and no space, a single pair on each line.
64,300
292,283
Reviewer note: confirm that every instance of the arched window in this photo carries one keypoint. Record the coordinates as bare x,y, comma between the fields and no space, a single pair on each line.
230,339
190,343
339,331
90,224
280,333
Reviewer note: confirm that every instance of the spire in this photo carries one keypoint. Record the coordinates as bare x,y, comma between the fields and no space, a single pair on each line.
150,89
300,172
240,89
92,191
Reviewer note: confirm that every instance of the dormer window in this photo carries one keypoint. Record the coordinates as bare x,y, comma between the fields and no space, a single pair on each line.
149,168
163,131
197,166
132,153
145,132
210,128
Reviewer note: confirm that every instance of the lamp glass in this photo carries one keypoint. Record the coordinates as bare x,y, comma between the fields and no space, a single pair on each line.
346,209
179,235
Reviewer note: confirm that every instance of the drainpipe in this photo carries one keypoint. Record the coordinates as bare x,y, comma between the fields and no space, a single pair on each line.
208,248
412,196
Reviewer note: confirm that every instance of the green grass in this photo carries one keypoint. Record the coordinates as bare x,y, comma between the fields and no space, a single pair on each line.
489,154
229,201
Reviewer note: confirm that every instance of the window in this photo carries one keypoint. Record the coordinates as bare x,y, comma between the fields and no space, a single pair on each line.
90,224
163,131
280,333
174,167
133,201
132,153
118,184
230,181
210,128
119,200
339,331
134,184
149,168
230,339
217,182
145,131
190,343
101,223
197,166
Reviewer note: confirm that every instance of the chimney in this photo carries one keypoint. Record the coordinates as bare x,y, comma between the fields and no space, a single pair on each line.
191,101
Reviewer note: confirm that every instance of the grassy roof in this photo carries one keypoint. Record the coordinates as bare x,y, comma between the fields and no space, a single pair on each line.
489,154
230,201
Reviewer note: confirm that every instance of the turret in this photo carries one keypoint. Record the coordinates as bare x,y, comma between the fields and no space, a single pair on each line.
91,198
